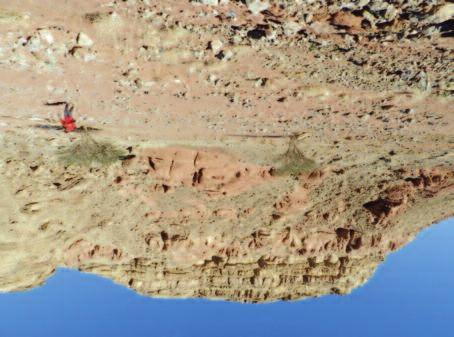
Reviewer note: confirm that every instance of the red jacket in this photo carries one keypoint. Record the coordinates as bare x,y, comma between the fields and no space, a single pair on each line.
68,123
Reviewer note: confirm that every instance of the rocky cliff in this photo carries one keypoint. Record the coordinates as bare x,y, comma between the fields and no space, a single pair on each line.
262,151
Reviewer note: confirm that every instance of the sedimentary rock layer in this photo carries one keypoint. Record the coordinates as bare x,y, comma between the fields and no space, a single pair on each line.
266,150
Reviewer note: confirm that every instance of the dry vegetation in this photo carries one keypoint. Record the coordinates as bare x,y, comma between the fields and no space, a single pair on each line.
293,162
87,151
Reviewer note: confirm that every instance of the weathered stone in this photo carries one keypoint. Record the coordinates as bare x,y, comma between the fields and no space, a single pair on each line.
46,36
216,46
257,6
444,13
208,2
84,40
34,44
291,28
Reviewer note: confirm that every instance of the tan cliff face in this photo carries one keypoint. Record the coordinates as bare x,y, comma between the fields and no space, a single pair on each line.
204,201
238,233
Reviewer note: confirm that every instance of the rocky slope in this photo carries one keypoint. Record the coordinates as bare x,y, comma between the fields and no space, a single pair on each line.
201,98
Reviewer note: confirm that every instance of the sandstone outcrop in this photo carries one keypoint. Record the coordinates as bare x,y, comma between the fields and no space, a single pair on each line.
267,154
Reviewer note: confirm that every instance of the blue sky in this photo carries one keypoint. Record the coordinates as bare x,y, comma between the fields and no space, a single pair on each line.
411,294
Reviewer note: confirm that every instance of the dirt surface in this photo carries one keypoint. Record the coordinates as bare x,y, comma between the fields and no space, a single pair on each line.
201,101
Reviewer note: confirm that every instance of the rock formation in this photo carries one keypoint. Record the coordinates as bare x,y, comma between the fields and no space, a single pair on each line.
269,150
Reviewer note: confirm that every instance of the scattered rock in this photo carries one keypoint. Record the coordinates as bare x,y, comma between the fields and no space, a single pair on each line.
444,13
46,36
207,2
34,44
257,6
370,18
291,28
215,46
83,40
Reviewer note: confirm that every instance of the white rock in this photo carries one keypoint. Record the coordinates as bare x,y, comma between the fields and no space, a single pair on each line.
257,6
370,17
89,57
209,2
84,40
444,13
216,46
46,36
148,84
212,78
50,56
391,12
36,118
291,28
333,258
20,42
228,55
237,39
34,44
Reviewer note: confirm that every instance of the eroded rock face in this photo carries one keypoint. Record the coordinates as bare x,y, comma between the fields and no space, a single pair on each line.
182,222
202,97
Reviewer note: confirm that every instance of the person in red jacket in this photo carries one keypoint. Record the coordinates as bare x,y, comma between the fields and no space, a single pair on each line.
68,122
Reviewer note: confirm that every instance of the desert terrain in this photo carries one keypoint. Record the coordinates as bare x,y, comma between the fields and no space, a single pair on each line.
240,150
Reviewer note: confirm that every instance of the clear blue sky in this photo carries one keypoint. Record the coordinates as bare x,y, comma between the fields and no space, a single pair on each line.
411,294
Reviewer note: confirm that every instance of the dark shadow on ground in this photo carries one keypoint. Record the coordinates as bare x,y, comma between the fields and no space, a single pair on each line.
60,128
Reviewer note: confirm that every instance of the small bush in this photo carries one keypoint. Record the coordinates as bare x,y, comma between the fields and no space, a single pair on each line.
87,151
296,167
293,162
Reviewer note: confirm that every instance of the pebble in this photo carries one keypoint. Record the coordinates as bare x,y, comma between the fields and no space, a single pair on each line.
228,55
444,13
291,28
231,15
213,79
34,44
208,2
89,57
257,6
46,36
84,40
216,46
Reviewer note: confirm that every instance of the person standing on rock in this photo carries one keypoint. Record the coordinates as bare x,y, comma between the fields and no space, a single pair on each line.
68,122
